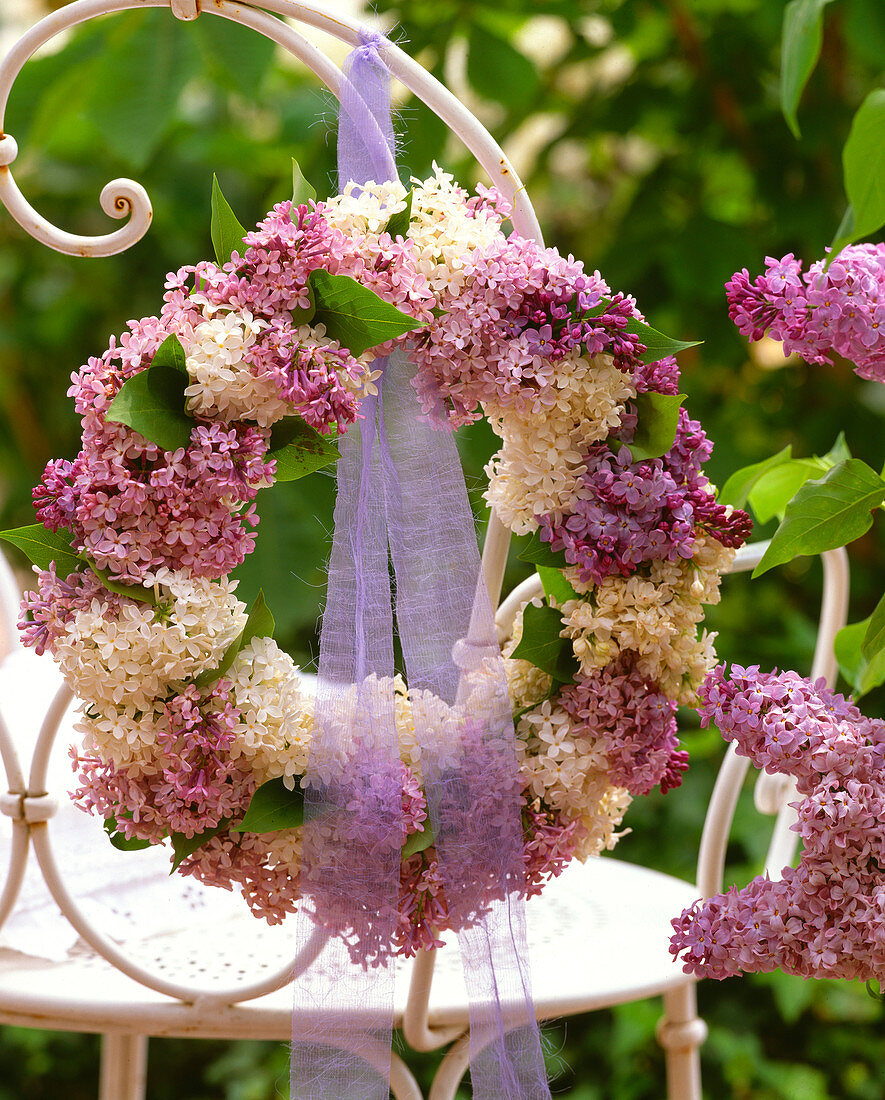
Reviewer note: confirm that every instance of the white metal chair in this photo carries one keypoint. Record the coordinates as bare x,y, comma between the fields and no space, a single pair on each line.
598,935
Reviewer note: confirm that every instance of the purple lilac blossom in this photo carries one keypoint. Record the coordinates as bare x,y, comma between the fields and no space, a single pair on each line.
823,919
819,312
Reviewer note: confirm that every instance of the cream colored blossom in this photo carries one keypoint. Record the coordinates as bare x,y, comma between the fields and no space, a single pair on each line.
276,718
132,657
224,382
541,465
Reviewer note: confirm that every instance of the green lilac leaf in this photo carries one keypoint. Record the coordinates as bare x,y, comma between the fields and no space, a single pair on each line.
556,587
184,846
800,48
657,345
302,191
273,807
839,452
741,483
120,841
354,315
863,165
398,223
299,449
418,842
542,645
152,403
775,489
874,639
259,624
536,552
43,547
227,232
832,511
132,591
657,420
170,354
861,673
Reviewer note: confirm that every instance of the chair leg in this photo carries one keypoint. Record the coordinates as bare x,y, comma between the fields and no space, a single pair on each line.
680,1032
451,1069
123,1067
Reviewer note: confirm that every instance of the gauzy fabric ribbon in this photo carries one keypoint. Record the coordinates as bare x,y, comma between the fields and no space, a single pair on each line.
401,498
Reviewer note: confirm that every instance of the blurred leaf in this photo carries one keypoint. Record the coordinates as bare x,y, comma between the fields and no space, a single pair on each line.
863,162
299,449
354,315
135,90
43,547
273,807
542,645
874,639
741,483
227,232
863,675
800,49
302,191
827,513
657,420
152,403
238,57
498,71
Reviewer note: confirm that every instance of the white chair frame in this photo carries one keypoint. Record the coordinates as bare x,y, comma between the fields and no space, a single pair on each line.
244,1010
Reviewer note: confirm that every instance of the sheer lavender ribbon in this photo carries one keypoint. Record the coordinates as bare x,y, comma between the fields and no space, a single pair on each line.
401,495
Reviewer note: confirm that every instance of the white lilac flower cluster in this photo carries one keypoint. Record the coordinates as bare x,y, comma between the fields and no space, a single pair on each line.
187,710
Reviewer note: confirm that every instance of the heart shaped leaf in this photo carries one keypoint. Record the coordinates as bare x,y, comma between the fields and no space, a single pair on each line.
826,513
273,807
299,449
354,315
43,547
657,420
152,403
542,645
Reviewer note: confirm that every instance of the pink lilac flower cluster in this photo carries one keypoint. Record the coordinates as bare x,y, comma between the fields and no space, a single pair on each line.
519,309
635,723
194,786
637,512
837,309
825,918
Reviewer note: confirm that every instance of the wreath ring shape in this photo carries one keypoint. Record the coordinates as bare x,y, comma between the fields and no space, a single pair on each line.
195,725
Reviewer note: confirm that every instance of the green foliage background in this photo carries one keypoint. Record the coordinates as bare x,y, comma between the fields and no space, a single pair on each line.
655,150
